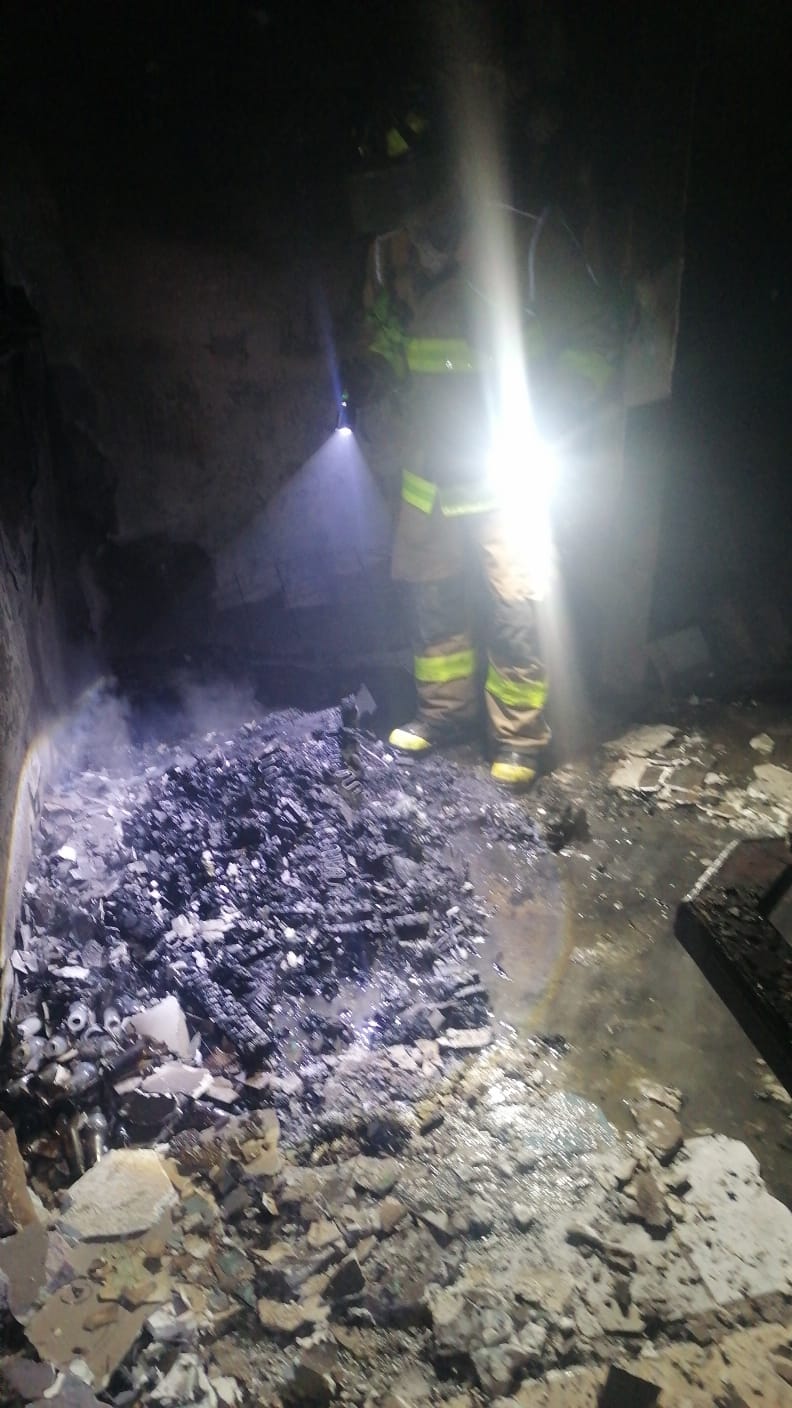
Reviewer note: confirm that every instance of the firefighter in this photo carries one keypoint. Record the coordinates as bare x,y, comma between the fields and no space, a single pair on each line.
424,314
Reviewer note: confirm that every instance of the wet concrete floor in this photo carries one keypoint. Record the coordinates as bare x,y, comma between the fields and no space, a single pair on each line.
582,944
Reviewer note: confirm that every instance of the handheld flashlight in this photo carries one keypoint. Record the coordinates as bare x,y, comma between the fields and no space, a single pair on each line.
345,421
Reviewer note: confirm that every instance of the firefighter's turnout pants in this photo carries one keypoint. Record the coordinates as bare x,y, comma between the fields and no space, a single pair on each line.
440,541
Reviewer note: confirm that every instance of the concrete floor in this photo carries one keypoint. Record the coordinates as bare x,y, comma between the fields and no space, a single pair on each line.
582,944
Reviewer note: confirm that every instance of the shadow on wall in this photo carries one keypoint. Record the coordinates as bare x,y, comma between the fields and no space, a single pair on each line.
157,595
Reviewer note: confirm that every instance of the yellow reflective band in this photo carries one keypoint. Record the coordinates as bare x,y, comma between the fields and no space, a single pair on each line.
441,669
408,742
421,493
461,499
592,366
440,354
518,694
515,774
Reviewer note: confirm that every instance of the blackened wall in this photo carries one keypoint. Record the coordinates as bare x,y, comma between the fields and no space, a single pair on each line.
44,624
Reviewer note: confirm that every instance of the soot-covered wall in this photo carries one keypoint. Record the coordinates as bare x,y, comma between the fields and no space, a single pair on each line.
187,246
44,625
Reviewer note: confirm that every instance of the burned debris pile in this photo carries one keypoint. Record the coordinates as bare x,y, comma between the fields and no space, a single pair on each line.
248,913
260,958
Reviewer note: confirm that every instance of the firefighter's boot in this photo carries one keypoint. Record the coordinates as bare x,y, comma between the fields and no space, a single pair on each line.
516,770
422,736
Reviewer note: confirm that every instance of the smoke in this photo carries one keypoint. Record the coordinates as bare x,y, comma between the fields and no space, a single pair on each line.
95,735
106,725
218,707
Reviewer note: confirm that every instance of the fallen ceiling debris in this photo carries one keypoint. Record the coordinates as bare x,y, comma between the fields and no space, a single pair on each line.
671,768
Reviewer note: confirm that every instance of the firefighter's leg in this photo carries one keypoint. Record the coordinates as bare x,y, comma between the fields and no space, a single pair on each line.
428,556
516,681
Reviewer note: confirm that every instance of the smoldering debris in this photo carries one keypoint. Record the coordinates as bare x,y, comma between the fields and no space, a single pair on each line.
190,939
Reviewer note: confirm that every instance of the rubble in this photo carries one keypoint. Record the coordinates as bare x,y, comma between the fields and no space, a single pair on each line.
163,1022
236,896
122,1196
643,741
16,1206
775,783
668,768
660,1128
331,1175
763,743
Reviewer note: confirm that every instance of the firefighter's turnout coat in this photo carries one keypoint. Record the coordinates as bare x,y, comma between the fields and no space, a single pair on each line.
427,328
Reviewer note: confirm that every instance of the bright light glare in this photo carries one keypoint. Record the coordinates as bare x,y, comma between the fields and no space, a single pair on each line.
523,471
344,430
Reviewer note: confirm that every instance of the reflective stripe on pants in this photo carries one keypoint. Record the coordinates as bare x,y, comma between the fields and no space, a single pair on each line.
442,669
518,689
435,554
445,682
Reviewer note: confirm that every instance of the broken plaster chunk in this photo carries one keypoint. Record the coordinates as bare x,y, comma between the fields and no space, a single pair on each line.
660,1129
376,1176
763,743
223,1091
185,1382
282,1318
123,1195
497,1365
391,1212
175,1078
637,774
775,783
265,1165
165,1022
323,1233
57,1331
466,1315
465,1038
226,1389
662,1095
523,1216
16,1205
651,1207
438,1223
643,741
167,1325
